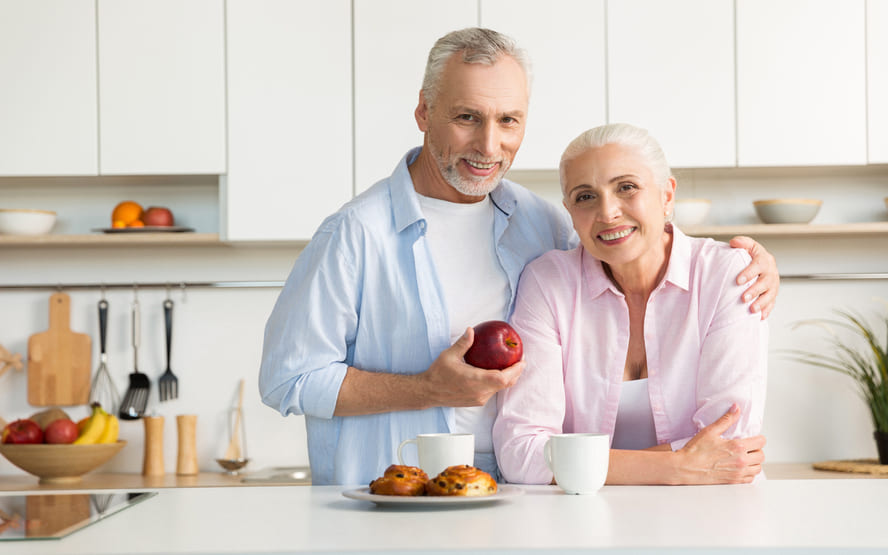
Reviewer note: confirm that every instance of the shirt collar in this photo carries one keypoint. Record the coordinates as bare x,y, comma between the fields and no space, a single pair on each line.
677,272
406,209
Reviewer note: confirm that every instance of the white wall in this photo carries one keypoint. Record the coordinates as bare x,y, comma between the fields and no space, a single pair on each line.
217,340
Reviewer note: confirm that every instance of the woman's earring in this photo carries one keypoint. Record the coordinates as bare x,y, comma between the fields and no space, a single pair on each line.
668,216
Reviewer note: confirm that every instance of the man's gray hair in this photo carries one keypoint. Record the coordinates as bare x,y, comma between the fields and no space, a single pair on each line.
622,134
478,46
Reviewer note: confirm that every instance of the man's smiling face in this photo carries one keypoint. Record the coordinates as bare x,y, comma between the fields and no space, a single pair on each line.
477,123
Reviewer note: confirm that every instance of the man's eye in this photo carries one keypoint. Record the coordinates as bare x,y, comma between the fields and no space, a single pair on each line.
466,117
509,120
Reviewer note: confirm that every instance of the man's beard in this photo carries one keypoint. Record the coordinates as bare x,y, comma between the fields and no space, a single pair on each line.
470,186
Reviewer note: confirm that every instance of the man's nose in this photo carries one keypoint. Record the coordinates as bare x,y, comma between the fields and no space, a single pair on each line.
488,139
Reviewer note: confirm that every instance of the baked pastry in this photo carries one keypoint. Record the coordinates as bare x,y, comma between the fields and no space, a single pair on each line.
462,480
400,480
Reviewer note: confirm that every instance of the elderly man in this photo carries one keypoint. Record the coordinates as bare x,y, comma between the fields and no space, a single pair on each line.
368,335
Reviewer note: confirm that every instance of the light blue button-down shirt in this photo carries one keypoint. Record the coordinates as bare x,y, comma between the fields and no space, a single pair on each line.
365,293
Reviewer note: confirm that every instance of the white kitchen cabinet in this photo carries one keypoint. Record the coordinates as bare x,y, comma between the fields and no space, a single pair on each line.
877,80
671,71
289,117
48,123
565,40
801,82
161,86
392,42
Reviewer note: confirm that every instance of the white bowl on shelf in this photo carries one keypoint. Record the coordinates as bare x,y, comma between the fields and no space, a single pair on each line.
691,211
787,210
15,221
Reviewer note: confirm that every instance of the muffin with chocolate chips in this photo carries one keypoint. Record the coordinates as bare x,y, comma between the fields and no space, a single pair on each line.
462,480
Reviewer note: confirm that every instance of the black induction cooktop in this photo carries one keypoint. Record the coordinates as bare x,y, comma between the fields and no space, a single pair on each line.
35,516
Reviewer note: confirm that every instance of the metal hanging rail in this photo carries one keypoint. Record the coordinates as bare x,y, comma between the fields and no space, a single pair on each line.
835,277
278,284
147,285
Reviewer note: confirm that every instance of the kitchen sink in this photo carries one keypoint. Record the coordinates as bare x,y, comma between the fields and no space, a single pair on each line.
281,475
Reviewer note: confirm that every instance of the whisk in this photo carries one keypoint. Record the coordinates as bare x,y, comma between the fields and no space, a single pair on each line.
103,390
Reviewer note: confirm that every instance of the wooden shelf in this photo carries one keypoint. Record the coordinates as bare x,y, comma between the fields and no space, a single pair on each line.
788,230
111,240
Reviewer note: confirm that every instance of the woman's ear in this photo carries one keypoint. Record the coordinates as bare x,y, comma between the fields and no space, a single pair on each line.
669,196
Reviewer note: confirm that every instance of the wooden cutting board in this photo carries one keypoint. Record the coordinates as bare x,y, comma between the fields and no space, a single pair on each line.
59,360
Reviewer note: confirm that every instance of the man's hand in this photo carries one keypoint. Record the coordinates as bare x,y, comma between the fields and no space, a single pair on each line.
451,382
708,458
448,382
764,266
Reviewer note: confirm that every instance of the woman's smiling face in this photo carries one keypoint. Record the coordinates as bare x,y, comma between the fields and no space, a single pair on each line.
617,208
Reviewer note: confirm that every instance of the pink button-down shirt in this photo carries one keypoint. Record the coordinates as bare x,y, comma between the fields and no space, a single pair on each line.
705,351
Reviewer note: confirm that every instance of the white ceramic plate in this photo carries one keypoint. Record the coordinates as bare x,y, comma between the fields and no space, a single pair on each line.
363,494
146,229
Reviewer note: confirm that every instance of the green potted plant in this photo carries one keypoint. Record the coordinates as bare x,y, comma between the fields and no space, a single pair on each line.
863,359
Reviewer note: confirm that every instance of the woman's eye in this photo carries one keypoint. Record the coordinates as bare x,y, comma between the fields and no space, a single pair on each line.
582,197
627,186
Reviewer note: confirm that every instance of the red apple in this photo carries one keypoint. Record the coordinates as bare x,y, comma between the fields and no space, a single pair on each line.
22,431
497,345
61,430
157,216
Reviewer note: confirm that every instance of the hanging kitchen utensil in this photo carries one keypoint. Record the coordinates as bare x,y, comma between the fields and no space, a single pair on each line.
59,360
235,457
168,384
136,398
104,391
9,360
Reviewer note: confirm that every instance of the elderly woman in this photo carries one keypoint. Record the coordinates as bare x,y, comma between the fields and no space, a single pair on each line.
639,333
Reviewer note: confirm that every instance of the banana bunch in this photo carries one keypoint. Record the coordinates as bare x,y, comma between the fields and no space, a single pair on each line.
99,427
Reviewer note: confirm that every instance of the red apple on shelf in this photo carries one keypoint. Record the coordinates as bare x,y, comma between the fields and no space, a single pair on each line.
157,216
62,430
497,345
22,431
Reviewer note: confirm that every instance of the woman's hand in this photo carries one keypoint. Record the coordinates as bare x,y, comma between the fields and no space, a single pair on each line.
763,266
708,458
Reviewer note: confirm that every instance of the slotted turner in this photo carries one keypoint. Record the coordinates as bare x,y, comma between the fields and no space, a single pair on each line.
136,398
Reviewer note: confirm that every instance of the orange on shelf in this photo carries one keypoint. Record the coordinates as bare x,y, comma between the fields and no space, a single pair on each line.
135,223
126,212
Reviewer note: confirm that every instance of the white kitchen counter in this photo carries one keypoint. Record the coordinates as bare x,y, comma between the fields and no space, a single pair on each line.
776,515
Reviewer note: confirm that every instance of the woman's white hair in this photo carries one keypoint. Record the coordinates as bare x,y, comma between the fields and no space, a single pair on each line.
621,134
478,46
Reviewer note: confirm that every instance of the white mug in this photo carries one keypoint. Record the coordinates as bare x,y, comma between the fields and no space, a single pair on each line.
579,461
438,451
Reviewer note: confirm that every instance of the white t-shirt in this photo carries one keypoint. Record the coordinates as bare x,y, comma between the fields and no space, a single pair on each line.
476,288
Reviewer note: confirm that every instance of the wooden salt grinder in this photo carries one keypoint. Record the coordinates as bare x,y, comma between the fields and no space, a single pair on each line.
152,464
186,464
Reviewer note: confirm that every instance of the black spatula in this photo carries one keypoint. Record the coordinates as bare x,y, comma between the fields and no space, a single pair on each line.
136,398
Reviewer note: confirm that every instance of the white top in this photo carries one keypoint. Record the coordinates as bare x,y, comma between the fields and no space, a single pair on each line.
777,516
635,419
476,289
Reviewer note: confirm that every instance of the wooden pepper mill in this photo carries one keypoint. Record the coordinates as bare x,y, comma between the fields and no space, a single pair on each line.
152,464
186,464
